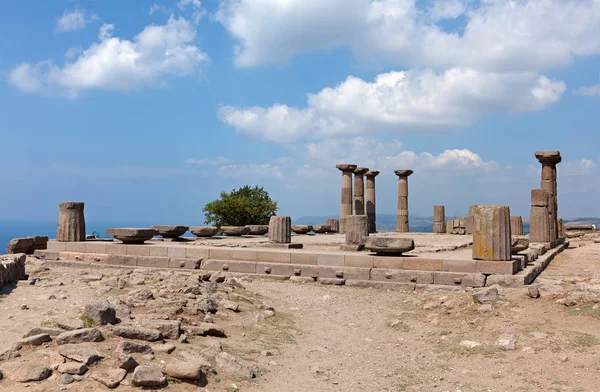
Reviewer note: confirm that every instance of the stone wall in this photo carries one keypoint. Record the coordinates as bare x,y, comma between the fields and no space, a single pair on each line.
27,245
12,268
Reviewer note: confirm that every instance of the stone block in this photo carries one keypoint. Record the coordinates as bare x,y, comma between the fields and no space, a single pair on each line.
388,262
46,254
194,252
403,276
131,235
361,261
332,281
116,249
491,233
153,261
303,258
330,259
235,231
306,270
170,231
258,229
243,254
422,264
519,243
204,231
273,257
514,281
95,247
20,245
510,267
122,260
176,252
275,269
137,250
75,247
219,253
301,229
389,246
459,279
460,265
351,248
539,198
158,251
357,229
280,229
187,263
344,273
229,266
56,246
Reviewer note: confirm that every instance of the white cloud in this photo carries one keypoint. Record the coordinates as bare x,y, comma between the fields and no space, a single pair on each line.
589,91
113,63
499,35
251,170
195,6
73,21
398,102
210,161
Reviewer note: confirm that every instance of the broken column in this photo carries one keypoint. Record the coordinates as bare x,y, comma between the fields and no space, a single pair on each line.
539,222
371,210
439,219
549,159
516,225
357,230
346,206
280,229
402,217
561,229
334,224
71,222
491,233
359,190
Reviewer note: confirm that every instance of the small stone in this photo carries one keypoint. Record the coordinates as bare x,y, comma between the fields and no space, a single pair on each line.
182,338
41,330
533,291
539,335
148,376
208,305
80,353
269,313
469,344
528,350
80,336
72,368
70,324
169,328
126,347
208,319
486,295
164,348
184,370
110,378
487,308
227,363
66,379
230,305
563,358
101,312
138,333
507,342
205,329
10,352
36,340
127,362
24,307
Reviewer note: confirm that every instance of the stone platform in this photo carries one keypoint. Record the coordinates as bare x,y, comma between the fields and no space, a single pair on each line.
435,264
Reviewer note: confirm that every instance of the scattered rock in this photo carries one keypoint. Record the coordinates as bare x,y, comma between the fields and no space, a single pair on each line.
169,328
206,329
533,291
66,379
70,324
101,312
138,333
167,348
10,352
110,378
72,368
41,330
25,371
507,341
528,350
539,335
148,376
132,347
563,358
36,340
230,305
217,277
469,344
80,336
184,370
141,295
229,364
127,362
80,352
182,338
486,295
208,305
487,308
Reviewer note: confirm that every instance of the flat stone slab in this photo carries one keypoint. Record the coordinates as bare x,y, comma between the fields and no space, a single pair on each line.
321,229
258,229
283,246
519,243
171,231
579,226
204,231
235,231
301,229
389,246
131,235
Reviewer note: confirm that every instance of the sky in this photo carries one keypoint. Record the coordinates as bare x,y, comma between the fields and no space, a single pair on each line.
147,110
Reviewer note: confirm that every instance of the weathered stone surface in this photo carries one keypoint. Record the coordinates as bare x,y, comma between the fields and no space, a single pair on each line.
101,312
357,229
258,229
10,352
12,268
321,229
491,233
126,347
43,330
204,231
170,231
389,246
439,219
280,229
333,223
138,333
301,229
231,365
111,378
148,376
579,227
519,243
80,352
80,336
169,328
208,305
235,231
359,190
206,329
184,370
516,225
72,368
346,204
25,371
166,348
71,222
539,219
20,245
131,235
36,340
127,362
486,295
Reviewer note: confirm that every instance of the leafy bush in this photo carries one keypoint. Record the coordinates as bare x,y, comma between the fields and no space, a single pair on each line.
244,206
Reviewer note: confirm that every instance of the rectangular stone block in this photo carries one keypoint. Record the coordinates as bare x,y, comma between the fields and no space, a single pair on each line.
229,266
56,246
116,249
274,269
422,264
219,253
192,252
153,261
137,250
497,267
273,257
361,261
344,273
460,266
459,279
389,262
186,263
506,280
75,247
46,254
303,258
243,255
330,259
158,251
176,252
421,277
130,261
95,247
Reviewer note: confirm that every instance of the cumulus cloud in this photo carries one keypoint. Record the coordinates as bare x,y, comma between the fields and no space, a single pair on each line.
398,102
73,21
113,63
589,91
498,35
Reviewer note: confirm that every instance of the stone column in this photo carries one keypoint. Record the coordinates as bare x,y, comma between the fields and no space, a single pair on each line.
357,229
333,223
549,159
539,223
371,210
71,222
280,229
402,220
561,229
491,233
516,225
359,191
439,219
346,206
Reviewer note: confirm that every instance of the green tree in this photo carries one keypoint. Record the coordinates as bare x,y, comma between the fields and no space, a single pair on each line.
244,206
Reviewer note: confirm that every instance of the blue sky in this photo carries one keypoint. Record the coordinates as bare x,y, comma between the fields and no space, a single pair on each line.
146,110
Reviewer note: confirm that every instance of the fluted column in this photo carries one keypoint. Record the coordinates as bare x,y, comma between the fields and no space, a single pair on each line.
359,190
371,210
516,225
280,230
71,222
402,217
549,159
539,223
491,233
346,205
439,219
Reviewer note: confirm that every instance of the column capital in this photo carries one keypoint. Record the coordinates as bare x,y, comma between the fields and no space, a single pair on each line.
345,167
372,173
361,170
548,156
403,172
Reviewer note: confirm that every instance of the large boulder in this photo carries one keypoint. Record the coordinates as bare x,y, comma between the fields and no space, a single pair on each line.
25,371
148,334
388,245
148,376
100,312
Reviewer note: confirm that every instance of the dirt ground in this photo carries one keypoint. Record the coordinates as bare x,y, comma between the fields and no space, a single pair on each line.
336,338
